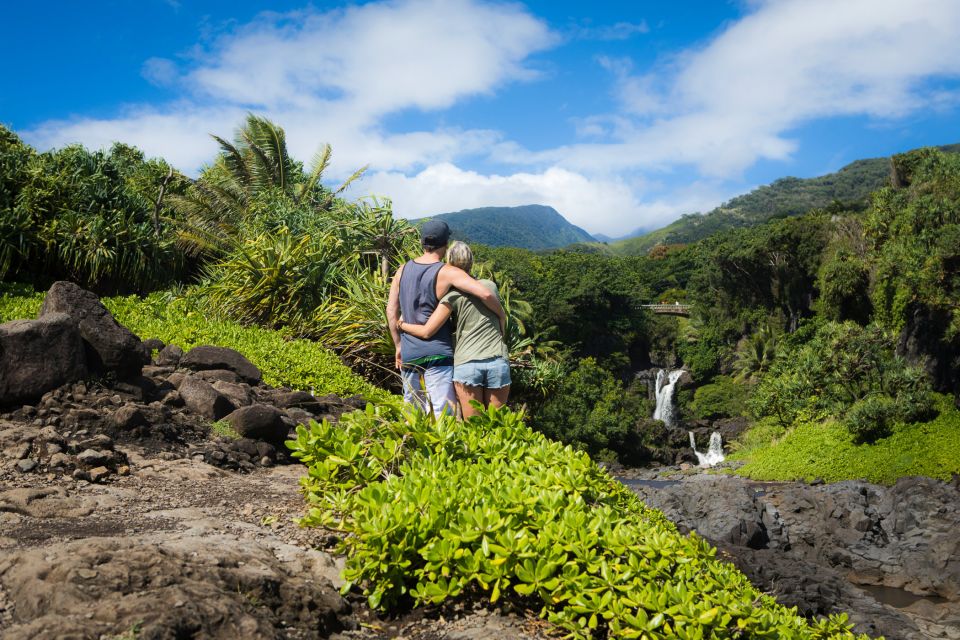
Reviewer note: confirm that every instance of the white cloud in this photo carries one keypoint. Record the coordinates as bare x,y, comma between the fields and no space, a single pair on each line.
332,77
737,99
336,76
600,205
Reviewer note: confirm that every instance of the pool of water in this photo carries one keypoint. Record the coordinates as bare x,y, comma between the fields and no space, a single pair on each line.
898,598
651,484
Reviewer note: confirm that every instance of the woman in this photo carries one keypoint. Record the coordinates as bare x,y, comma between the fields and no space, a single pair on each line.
481,369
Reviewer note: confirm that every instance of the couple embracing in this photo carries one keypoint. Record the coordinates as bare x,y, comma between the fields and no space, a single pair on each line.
448,329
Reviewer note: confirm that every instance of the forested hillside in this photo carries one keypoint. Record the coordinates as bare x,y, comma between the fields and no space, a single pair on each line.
531,226
850,187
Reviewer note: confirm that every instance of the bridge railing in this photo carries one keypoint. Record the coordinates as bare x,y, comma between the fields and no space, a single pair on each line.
669,309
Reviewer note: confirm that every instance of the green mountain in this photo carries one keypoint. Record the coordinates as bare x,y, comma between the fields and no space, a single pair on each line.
532,226
851,186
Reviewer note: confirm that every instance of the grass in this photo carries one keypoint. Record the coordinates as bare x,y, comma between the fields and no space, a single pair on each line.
224,429
284,361
825,450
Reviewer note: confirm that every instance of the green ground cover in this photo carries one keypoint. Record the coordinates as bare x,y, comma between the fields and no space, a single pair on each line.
825,449
287,362
489,508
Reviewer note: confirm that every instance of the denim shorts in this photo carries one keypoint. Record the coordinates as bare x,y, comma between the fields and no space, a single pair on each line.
490,373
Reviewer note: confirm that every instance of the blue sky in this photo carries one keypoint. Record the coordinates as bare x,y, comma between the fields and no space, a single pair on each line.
619,114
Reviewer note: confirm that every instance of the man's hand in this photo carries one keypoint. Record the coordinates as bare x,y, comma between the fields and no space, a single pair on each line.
398,361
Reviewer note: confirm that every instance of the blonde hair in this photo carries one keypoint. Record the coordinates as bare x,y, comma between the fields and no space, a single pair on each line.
460,255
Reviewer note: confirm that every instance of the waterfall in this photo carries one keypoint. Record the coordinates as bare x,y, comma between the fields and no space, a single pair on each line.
714,454
664,410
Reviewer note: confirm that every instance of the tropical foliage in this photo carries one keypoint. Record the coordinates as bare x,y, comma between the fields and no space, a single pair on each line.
435,509
99,218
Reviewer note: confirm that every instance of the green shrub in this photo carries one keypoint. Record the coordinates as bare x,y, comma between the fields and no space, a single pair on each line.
871,418
840,365
723,397
432,510
592,411
825,449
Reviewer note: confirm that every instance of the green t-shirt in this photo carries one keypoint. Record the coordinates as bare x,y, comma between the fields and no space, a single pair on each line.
477,329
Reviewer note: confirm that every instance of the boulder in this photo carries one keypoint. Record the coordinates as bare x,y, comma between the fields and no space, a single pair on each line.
154,344
259,422
218,375
129,416
239,394
169,356
200,397
37,356
206,357
110,345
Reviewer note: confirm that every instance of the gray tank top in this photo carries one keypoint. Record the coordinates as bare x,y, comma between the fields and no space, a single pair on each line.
418,299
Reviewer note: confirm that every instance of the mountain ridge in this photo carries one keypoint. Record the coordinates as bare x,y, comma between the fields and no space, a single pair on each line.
532,226
788,196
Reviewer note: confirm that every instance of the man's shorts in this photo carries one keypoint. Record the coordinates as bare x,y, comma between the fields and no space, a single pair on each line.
490,373
430,388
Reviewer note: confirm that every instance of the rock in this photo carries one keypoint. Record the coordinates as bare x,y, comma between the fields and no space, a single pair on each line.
200,397
93,458
176,378
239,394
169,356
259,422
172,399
207,357
37,356
298,400
266,450
218,375
157,371
169,585
129,416
98,474
26,465
110,345
60,460
154,344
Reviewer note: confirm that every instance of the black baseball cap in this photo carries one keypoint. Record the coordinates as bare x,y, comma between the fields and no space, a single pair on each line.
434,233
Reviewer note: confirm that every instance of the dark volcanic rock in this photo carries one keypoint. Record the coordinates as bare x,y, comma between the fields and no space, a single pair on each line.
812,545
111,346
200,397
169,356
923,342
154,344
209,357
259,422
37,356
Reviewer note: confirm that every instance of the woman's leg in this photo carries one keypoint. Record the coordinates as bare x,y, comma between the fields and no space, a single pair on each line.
496,397
466,393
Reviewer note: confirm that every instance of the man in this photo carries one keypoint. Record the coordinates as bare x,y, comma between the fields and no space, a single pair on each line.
418,285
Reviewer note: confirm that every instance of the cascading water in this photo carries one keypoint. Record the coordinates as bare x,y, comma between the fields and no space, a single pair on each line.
664,410
714,454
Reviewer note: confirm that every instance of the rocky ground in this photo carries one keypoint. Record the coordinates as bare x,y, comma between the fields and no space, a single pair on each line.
146,493
888,556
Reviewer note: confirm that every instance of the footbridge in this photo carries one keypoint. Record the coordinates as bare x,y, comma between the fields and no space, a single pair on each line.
675,309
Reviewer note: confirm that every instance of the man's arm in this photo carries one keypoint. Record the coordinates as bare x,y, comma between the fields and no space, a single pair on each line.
460,279
393,314
436,320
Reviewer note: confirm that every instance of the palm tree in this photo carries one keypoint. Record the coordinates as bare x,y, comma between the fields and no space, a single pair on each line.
380,234
756,355
252,175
